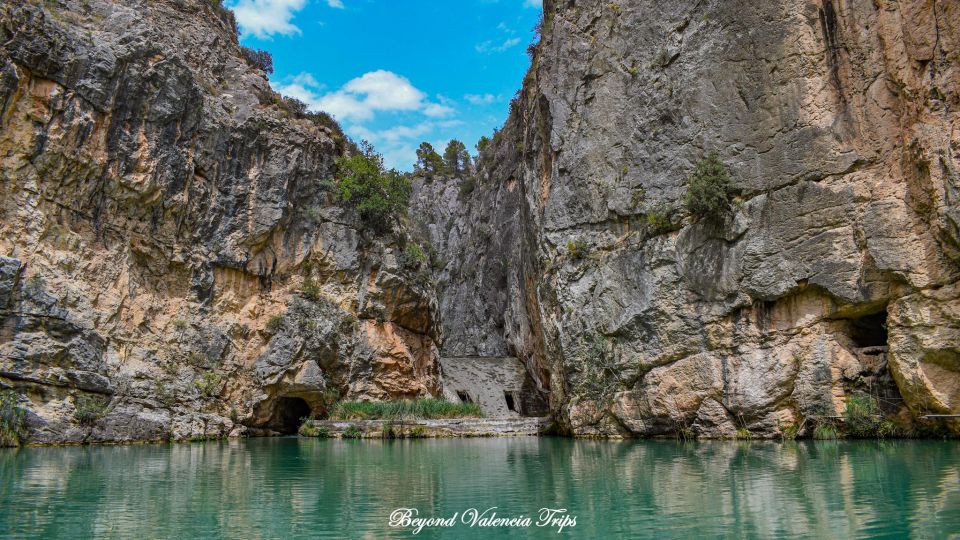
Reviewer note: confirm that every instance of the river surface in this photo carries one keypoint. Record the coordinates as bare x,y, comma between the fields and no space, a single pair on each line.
317,488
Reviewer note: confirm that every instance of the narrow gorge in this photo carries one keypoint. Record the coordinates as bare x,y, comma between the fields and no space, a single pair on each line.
175,262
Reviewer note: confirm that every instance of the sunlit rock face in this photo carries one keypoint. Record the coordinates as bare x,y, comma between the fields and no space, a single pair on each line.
160,218
835,271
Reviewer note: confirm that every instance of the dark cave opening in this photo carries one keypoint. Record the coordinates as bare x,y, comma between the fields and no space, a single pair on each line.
511,403
289,413
870,330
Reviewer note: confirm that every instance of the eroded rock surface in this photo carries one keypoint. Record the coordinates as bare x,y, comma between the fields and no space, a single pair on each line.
171,252
836,271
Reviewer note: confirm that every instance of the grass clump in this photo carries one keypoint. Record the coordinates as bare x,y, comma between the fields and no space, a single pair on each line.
352,432
413,256
404,410
578,249
309,430
12,419
863,418
709,189
743,434
825,431
208,384
274,324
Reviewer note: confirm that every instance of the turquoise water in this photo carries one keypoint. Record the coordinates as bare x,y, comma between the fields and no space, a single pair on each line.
314,488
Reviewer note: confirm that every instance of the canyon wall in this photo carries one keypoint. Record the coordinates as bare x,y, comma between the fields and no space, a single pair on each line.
835,272
172,261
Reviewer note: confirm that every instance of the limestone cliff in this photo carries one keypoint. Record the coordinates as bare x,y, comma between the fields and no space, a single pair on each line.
172,263
836,271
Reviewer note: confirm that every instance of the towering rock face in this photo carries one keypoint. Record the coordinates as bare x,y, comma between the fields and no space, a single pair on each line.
836,270
172,263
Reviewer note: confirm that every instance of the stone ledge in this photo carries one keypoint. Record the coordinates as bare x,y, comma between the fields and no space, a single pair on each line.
455,427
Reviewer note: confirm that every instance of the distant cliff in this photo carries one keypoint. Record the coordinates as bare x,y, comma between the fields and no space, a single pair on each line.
832,273
172,262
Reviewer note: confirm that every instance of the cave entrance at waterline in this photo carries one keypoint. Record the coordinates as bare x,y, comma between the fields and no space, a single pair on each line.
288,414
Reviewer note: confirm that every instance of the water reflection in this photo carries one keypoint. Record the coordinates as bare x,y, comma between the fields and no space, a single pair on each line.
284,488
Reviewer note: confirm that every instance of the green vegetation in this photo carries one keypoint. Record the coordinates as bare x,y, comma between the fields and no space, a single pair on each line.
258,58
208,384
743,433
309,430
429,162
825,431
88,410
456,159
403,410
863,418
12,419
274,324
310,290
578,249
709,189
660,219
413,256
298,109
788,432
378,195
352,432
467,185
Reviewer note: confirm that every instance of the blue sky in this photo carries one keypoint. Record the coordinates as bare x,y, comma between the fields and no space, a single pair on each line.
397,72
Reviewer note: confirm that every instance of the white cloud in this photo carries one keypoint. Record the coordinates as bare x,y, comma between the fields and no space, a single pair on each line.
337,3
358,101
481,99
533,4
265,18
361,98
488,46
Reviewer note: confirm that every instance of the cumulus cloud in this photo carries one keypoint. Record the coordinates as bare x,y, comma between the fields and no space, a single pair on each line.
489,46
357,103
337,3
481,99
533,4
266,18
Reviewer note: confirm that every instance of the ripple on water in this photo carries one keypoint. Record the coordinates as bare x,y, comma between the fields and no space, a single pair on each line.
299,488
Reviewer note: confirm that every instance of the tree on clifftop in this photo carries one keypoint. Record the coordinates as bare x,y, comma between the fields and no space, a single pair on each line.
378,195
429,161
456,159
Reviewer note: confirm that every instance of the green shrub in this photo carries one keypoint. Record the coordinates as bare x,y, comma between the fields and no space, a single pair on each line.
660,219
863,418
352,432
788,432
12,419
310,289
744,433
378,195
825,431
258,58
208,384
709,189
274,324
309,430
403,409
88,410
467,185
578,249
413,256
